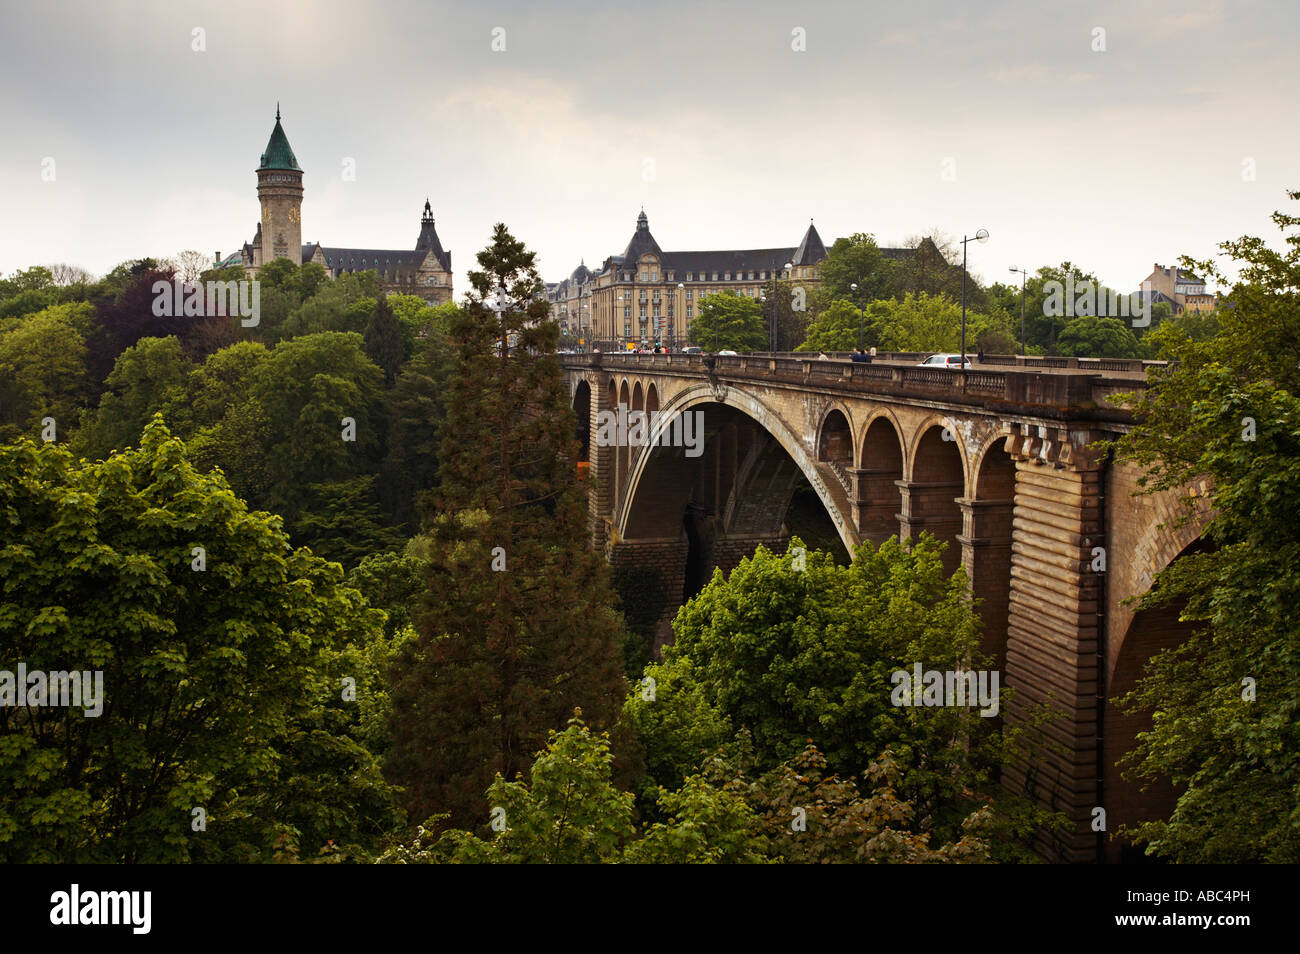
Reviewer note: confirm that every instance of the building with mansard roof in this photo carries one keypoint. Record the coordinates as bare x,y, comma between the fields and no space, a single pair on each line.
424,270
646,295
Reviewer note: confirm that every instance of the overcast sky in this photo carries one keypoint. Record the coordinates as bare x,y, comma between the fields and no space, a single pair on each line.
897,119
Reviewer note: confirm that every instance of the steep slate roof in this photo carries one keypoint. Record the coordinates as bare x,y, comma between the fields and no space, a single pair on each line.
642,241
278,155
810,250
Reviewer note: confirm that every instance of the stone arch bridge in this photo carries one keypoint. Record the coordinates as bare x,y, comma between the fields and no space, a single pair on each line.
997,462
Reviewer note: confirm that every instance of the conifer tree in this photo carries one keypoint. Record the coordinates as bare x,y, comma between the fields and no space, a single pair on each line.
519,628
383,339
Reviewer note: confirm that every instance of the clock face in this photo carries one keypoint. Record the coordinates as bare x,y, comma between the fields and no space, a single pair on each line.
293,215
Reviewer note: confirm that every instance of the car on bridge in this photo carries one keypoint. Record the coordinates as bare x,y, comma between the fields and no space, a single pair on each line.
692,350
944,361
727,351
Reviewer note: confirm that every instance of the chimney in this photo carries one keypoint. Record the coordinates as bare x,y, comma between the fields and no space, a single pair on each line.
218,260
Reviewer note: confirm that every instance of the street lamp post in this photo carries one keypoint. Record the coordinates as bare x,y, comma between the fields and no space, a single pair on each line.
982,236
1023,275
788,266
679,316
853,287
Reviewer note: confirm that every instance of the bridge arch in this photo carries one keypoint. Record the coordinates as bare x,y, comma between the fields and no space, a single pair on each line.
880,464
1150,631
987,538
697,395
835,442
934,486
582,411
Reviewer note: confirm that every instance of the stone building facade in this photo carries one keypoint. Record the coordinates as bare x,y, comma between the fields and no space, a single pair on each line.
424,271
647,295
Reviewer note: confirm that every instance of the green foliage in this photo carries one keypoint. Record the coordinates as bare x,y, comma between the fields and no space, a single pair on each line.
570,812
383,340
643,596
806,655
221,685
856,260
1092,337
1236,762
737,319
42,371
840,327
147,377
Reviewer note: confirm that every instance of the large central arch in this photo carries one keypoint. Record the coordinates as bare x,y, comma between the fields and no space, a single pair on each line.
703,394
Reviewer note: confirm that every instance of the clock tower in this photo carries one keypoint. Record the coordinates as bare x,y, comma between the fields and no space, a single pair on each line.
279,189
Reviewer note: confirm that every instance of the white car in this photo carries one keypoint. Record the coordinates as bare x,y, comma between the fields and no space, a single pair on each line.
726,351
944,361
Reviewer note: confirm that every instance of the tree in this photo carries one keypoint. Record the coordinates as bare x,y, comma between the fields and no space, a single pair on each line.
727,321
383,339
519,630
1225,412
856,260
1092,337
840,327
147,378
42,372
320,399
932,266
189,265
222,652
416,414
807,654
571,812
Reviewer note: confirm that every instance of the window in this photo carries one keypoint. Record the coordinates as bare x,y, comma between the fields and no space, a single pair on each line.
715,276
627,330
643,312
644,273
728,278
643,294
689,293
762,276
688,311
627,311
690,277
670,275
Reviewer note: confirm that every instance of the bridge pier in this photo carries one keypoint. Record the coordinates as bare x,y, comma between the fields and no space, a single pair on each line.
1052,633
932,506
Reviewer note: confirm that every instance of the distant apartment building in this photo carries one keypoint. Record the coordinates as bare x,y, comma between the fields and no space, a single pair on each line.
1183,290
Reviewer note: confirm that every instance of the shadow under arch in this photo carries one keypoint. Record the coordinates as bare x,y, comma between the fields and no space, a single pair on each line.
698,397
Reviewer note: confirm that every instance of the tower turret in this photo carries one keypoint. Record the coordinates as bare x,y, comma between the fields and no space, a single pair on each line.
279,189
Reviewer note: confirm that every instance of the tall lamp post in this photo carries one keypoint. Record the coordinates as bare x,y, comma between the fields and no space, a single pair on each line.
1023,276
853,287
982,236
679,316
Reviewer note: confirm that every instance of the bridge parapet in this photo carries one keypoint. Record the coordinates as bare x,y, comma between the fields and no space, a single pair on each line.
1079,390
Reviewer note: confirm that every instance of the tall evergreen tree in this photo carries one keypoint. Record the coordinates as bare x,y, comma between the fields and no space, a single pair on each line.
384,340
518,628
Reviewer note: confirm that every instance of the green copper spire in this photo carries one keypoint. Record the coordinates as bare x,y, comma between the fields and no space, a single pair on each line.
278,155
